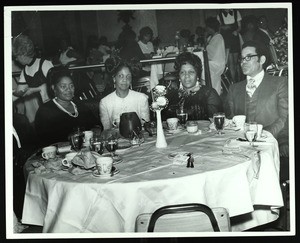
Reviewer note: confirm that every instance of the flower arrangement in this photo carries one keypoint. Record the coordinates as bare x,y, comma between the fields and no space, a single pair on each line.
159,103
159,100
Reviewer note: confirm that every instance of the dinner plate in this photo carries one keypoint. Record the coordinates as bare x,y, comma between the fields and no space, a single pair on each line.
114,172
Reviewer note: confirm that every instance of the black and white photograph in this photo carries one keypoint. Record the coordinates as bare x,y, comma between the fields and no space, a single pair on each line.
149,120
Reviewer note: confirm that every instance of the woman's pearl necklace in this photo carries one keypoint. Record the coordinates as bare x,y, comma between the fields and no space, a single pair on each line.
64,110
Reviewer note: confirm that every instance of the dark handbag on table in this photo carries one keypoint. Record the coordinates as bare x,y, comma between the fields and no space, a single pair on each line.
130,124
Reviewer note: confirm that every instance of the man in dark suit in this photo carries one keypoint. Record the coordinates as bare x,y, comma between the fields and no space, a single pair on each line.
261,97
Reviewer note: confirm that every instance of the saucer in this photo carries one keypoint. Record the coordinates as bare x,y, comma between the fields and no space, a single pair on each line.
114,172
117,159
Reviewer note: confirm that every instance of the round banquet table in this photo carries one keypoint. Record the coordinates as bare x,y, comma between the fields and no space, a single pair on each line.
246,183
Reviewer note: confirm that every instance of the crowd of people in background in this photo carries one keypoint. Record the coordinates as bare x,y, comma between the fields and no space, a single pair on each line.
56,99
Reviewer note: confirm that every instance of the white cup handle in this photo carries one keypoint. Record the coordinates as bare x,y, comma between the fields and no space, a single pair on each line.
44,155
66,163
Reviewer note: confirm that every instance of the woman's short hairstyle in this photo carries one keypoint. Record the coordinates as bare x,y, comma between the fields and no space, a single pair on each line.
23,45
260,48
213,23
145,31
55,75
188,58
185,33
114,64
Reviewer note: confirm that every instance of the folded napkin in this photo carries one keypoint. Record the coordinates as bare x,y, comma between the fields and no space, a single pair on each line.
231,146
41,170
78,171
64,149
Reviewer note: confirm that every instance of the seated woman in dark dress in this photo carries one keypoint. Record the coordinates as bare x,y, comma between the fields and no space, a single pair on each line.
57,118
200,101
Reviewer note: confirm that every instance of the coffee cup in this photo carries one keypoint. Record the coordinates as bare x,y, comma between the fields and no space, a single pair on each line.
259,130
239,121
49,152
87,137
67,161
192,126
172,123
104,165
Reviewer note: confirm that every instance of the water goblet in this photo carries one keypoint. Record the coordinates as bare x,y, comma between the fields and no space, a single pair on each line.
111,145
251,132
97,144
219,120
76,139
182,115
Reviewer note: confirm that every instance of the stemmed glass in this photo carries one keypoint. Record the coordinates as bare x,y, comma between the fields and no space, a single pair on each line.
111,144
97,144
182,115
251,132
219,120
76,139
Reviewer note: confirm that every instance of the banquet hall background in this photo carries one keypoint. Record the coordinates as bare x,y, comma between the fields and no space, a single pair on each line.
46,27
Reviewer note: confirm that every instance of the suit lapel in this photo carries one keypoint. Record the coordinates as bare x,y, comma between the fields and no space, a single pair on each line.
241,98
262,95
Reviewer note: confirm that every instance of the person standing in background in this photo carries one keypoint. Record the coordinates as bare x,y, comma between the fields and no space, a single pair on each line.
230,20
33,84
145,38
216,52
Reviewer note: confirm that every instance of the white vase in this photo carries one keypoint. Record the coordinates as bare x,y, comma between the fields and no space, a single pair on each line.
160,136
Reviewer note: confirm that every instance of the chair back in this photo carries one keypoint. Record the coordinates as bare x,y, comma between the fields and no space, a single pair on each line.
142,84
184,218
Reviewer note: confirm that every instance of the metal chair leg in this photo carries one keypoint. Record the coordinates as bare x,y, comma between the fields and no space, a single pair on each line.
285,192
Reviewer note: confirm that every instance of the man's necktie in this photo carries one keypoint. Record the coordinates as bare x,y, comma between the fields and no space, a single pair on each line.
250,87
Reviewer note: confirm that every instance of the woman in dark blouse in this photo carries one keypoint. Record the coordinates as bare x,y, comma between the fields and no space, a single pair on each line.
57,118
200,101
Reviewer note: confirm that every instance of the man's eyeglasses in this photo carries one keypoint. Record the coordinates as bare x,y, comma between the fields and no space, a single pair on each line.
247,58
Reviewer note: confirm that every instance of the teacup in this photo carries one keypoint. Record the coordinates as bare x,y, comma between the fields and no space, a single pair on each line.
172,123
49,152
67,161
239,121
87,136
104,165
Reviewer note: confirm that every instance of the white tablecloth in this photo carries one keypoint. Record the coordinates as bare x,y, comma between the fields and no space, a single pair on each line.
148,179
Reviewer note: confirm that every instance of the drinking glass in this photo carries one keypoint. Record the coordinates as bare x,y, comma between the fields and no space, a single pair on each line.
251,132
76,139
97,144
111,145
219,120
182,116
